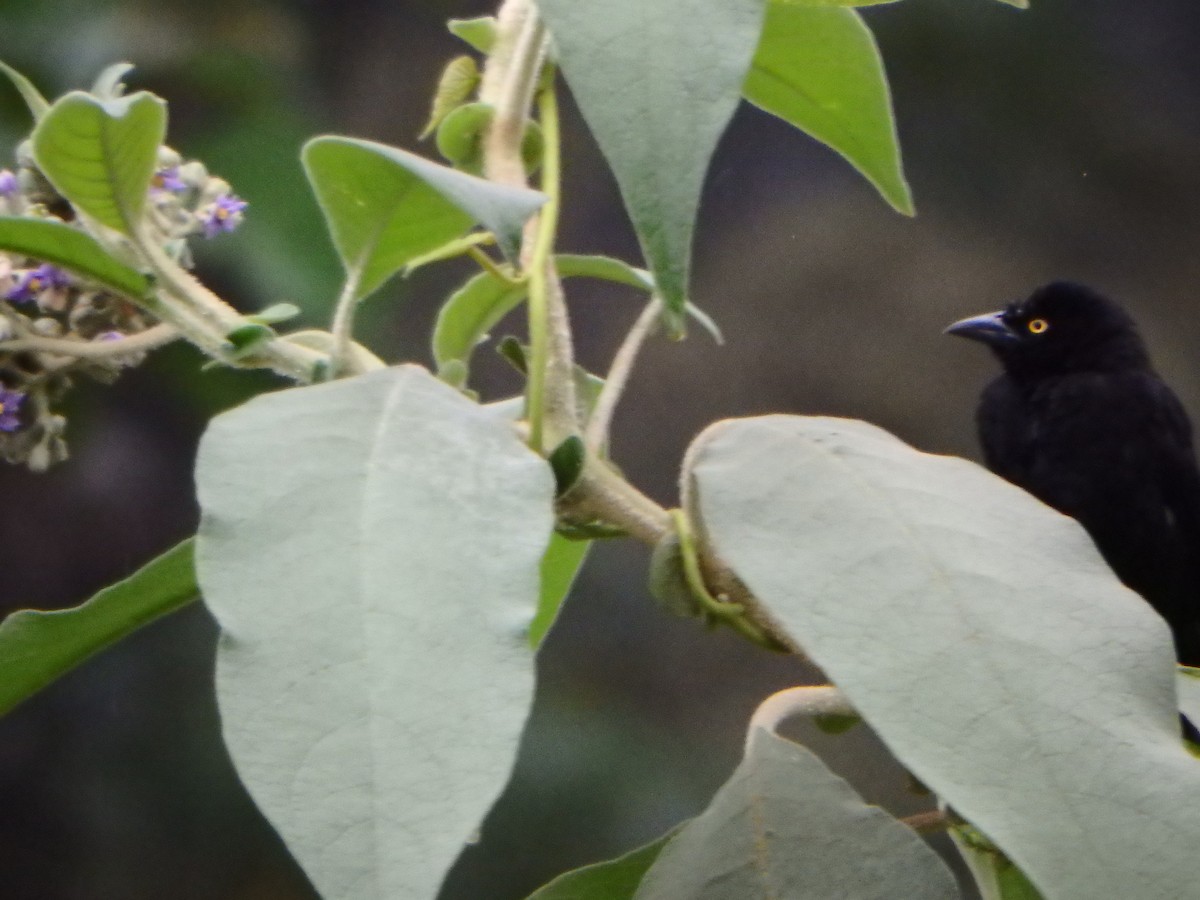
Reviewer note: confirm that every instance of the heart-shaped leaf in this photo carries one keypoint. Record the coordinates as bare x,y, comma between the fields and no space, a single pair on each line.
386,207
101,154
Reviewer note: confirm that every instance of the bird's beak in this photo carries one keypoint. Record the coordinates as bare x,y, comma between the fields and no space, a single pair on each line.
989,328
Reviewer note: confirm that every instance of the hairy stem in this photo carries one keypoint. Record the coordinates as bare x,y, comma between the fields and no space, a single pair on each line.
343,326
931,822
808,700
509,80
618,376
205,319
138,343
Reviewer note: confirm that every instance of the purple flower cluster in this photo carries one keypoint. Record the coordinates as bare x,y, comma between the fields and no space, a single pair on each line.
223,214
10,406
32,282
168,181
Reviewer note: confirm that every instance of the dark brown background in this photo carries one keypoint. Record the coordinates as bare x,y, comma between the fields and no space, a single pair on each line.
1055,142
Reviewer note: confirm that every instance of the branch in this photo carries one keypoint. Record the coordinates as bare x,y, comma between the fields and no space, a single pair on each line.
809,700
618,376
155,336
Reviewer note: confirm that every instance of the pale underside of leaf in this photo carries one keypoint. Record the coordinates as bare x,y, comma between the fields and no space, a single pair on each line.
374,675
979,633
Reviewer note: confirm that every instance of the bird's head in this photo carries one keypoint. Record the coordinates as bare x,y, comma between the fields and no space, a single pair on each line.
1061,328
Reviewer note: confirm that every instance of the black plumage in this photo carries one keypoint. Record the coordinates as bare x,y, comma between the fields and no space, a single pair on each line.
1080,419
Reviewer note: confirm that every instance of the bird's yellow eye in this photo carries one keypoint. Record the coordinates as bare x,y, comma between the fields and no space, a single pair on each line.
1037,326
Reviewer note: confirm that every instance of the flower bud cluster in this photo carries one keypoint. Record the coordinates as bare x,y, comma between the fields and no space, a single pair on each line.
44,309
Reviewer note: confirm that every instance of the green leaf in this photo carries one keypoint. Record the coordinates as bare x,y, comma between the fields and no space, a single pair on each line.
101,155
471,312
560,564
69,248
457,83
566,460
449,250
605,268
245,337
386,207
995,875
275,313
616,879
480,33
618,271
820,70
406,530
36,647
110,83
460,135
786,828
919,582
38,105
657,83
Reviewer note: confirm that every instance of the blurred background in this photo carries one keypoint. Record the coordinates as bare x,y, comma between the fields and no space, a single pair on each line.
1056,142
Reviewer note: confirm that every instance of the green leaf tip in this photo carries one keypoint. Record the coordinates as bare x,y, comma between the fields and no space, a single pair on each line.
480,33
38,105
818,68
656,113
69,248
37,647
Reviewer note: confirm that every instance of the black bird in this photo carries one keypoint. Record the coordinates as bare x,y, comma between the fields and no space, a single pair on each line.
1080,419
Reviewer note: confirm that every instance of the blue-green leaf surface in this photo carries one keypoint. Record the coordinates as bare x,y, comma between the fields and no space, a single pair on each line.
371,549
786,828
657,83
979,633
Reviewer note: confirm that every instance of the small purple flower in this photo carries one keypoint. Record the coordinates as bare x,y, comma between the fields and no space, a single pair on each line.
223,214
8,183
33,282
10,405
168,181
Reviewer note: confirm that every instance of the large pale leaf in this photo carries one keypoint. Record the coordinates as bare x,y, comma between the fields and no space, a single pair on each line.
38,647
657,83
786,828
371,547
386,207
1187,681
69,248
979,633
100,154
820,70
